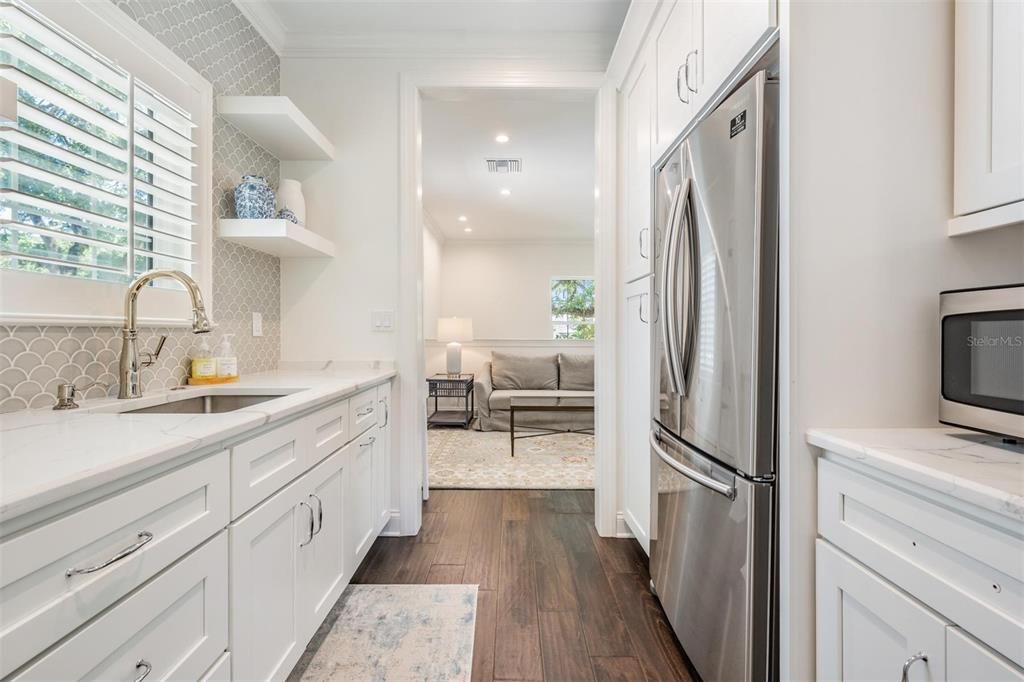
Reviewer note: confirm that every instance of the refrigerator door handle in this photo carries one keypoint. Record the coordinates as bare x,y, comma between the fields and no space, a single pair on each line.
689,234
692,474
668,298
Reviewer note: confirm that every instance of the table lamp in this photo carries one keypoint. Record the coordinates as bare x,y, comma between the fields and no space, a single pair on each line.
454,330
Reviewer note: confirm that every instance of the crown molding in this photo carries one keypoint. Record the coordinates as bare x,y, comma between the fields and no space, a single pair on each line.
265,21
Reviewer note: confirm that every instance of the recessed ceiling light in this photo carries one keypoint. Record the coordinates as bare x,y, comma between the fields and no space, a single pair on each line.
463,218
502,138
467,229
505,192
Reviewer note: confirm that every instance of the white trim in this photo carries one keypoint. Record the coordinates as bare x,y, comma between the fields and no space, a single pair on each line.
471,241
265,21
989,219
101,24
622,529
411,418
392,529
635,27
517,343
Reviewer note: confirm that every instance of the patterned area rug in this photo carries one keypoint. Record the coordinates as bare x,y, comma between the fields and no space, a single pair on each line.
464,458
394,632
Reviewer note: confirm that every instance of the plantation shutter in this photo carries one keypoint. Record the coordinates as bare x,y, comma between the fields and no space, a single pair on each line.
96,173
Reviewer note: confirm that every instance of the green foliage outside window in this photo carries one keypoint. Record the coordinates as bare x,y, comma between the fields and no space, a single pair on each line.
572,308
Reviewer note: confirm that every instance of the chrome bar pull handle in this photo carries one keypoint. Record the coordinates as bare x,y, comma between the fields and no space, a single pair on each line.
691,53
319,513
641,311
679,83
312,521
366,412
643,254
387,413
144,538
147,668
909,663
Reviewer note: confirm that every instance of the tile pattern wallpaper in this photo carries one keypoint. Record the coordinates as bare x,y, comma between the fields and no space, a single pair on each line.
218,42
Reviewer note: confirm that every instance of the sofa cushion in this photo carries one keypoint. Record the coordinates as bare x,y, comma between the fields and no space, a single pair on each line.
575,372
511,372
502,399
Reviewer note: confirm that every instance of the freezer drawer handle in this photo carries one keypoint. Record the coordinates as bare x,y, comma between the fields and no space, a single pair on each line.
692,474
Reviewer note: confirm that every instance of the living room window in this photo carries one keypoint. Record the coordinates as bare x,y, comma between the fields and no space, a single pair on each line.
572,308
100,168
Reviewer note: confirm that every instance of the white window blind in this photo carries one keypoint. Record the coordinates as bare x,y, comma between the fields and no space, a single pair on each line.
96,176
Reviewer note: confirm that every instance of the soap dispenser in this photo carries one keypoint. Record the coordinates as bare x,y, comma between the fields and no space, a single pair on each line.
227,361
204,367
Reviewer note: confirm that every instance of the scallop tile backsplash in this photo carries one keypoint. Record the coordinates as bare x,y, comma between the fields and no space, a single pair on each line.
218,42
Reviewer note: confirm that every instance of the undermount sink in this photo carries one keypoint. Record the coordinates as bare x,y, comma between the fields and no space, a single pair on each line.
205,404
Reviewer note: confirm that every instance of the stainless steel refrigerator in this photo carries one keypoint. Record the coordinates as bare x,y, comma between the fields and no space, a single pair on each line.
713,441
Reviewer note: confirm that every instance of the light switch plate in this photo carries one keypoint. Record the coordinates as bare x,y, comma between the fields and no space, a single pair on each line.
382,320
257,324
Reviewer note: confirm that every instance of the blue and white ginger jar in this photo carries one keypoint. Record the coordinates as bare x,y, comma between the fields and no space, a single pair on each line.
254,199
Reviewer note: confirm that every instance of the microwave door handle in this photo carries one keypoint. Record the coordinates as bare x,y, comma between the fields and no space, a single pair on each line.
698,477
668,294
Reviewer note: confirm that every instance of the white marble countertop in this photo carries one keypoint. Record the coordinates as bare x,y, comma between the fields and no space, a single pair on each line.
48,456
969,466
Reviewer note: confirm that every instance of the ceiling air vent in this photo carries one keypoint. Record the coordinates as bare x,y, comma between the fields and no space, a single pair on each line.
504,165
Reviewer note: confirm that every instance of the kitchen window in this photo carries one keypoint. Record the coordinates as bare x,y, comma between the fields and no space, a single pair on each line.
101,165
572,308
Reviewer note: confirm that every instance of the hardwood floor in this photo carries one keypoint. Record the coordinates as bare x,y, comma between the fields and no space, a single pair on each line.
557,602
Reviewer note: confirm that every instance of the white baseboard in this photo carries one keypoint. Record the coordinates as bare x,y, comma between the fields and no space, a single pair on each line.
622,529
393,528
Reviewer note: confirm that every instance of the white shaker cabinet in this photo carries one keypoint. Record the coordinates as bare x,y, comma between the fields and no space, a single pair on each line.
676,51
382,458
868,630
638,122
322,569
730,28
637,418
362,518
989,112
968,660
266,636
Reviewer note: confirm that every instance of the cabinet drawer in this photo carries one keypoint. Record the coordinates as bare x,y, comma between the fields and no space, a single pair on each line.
963,563
147,527
330,430
176,627
968,660
263,465
362,411
220,671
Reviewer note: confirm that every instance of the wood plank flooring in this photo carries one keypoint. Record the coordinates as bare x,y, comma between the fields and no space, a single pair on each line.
557,602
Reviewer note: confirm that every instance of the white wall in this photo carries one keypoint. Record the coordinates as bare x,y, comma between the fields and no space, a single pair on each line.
505,287
326,304
870,159
432,247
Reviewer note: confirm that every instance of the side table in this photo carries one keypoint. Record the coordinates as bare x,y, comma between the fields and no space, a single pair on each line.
451,386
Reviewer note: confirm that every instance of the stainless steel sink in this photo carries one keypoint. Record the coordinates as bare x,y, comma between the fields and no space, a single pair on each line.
205,404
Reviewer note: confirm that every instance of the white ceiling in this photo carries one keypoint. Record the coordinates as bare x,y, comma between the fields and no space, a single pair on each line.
551,131
377,27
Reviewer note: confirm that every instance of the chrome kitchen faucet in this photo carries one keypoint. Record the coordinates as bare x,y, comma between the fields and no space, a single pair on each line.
130,386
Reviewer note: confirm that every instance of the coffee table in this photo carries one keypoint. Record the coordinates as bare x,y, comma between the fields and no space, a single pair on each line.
518,405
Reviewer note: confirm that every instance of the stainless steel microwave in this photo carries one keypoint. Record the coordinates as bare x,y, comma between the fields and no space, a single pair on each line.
982,355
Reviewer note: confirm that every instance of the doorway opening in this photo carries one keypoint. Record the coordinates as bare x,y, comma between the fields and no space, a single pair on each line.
506,182
508,287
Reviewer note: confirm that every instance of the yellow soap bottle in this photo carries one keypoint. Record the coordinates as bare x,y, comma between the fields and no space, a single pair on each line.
204,366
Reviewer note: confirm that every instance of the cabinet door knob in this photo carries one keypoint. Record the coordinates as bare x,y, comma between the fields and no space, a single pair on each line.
909,663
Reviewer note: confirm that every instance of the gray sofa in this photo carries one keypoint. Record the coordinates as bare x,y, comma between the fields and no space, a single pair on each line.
564,377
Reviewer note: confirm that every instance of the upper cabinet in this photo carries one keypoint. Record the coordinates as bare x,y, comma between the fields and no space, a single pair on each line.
676,53
637,131
988,176
730,29
697,45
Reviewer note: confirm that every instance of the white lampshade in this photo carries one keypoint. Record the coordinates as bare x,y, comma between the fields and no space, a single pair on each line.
454,329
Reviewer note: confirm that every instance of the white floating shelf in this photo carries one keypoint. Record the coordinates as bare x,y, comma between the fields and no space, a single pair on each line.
281,238
989,219
277,125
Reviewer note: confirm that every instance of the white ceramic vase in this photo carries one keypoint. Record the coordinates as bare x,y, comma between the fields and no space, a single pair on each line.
289,195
